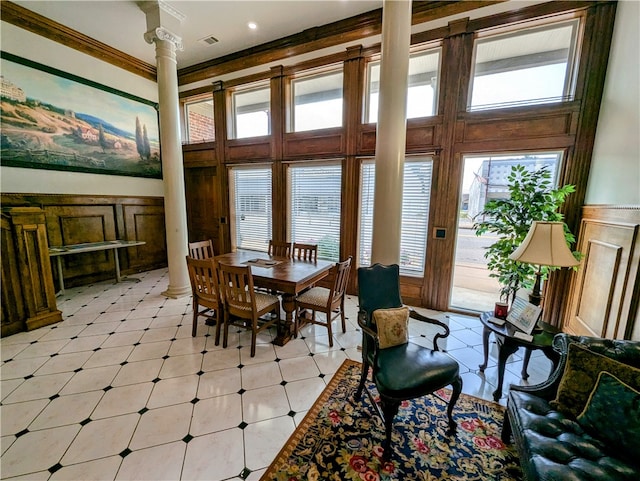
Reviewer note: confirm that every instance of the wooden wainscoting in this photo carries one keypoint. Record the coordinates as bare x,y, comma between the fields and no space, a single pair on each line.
76,219
606,289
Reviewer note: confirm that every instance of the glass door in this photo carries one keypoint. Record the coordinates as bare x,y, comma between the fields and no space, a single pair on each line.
485,178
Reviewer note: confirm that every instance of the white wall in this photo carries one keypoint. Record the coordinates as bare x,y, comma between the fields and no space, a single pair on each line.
615,169
38,49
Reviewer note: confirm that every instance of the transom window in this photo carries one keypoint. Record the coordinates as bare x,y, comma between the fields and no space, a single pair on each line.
250,191
422,96
251,112
527,67
317,101
315,206
199,120
415,213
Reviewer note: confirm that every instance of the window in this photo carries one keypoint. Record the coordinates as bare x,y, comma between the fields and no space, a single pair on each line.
528,67
314,207
251,113
415,214
422,95
199,117
317,101
485,178
250,190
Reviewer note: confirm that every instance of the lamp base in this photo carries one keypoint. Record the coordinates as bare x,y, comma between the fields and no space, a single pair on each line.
534,299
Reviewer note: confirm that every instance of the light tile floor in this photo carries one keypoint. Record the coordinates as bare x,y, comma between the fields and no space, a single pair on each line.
120,389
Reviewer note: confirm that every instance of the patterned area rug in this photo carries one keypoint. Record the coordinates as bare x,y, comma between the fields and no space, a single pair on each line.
340,439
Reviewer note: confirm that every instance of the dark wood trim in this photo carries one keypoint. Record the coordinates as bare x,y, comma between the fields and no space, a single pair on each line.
596,46
447,171
45,27
316,38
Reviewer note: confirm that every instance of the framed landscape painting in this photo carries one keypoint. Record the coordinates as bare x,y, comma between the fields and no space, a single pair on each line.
58,121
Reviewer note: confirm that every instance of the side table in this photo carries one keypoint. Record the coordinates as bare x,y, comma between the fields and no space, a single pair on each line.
508,344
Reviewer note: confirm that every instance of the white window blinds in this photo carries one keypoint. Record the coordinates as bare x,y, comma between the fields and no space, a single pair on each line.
314,207
415,214
251,203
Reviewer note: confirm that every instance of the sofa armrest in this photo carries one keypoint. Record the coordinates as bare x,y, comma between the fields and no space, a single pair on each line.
627,352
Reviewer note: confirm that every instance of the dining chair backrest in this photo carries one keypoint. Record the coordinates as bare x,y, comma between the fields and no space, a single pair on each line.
205,289
201,249
306,252
340,275
237,288
279,248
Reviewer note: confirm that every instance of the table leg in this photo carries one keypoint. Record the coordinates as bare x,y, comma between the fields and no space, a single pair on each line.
60,277
116,261
485,345
525,363
505,350
285,328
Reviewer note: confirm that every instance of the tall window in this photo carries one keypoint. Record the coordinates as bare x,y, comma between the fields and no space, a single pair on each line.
314,207
415,214
250,190
199,120
485,178
317,101
251,112
422,96
531,66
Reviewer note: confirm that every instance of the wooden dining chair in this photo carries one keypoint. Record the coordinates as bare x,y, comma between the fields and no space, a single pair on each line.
305,252
205,288
328,301
279,248
243,305
201,249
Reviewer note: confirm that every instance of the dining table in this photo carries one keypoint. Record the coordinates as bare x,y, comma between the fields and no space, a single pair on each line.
286,275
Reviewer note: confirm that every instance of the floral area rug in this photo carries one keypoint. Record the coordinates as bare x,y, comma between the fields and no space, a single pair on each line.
340,439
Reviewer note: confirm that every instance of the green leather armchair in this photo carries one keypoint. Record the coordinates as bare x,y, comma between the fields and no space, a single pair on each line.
405,371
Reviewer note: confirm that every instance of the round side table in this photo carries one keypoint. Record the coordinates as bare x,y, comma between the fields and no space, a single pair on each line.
508,344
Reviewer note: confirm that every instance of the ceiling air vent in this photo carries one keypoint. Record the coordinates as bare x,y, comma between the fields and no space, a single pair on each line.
210,40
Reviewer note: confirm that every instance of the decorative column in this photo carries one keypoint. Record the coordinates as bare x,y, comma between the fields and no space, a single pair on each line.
391,131
175,207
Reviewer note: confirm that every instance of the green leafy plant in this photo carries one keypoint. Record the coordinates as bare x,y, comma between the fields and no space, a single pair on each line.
531,197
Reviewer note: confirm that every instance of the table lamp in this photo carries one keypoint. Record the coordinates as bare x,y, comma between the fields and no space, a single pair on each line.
544,245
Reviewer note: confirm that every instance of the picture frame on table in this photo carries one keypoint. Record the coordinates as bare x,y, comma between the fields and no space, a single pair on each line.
523,315
58,121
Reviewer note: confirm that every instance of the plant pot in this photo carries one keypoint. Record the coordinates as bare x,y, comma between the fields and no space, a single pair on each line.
501,309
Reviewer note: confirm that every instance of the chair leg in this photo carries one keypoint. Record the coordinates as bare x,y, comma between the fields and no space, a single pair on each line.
194,329
344,322
225,337
254,336
389,409
363,378
218,324
329,320
455,394
296,322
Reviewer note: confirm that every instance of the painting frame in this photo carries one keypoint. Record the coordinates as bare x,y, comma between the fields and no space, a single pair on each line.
56,120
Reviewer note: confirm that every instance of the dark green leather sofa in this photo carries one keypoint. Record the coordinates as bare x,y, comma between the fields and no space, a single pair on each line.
554,445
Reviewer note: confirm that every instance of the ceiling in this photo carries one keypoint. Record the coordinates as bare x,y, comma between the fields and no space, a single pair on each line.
122,24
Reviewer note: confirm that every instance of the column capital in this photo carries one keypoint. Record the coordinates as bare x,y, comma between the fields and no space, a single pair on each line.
161,33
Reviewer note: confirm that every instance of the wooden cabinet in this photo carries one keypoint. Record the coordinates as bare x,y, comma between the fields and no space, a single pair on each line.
28,293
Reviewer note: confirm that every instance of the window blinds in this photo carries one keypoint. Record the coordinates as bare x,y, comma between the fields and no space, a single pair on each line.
314,207
415,214
251,190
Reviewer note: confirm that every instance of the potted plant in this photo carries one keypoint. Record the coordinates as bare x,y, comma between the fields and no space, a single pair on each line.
531,197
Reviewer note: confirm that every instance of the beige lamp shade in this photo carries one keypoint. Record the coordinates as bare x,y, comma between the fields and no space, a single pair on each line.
545,245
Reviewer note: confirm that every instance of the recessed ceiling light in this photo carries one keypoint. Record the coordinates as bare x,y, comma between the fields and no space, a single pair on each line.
252,25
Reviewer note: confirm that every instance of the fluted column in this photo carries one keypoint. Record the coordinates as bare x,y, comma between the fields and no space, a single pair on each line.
175,207
391,131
